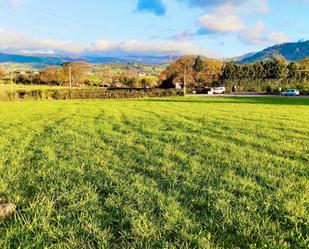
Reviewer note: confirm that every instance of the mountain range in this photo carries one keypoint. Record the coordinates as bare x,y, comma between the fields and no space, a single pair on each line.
290,51
42,60
295,51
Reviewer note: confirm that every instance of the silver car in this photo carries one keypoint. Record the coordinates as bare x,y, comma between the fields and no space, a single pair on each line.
290,92
218,90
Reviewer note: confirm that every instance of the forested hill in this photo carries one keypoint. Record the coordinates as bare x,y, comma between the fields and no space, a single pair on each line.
43,60
289,51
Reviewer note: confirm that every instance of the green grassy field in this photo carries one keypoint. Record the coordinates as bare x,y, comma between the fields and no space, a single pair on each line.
156,173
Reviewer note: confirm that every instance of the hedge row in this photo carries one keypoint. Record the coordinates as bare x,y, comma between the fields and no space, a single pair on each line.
62,94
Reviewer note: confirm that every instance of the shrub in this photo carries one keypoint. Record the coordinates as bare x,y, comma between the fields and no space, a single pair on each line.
62,94
269,89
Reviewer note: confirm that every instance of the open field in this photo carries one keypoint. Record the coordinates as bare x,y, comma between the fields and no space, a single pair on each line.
156,173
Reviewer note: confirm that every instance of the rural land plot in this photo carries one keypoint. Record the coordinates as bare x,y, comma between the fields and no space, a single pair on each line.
179,172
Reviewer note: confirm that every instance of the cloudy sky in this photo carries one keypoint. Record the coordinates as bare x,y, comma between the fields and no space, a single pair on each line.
215,28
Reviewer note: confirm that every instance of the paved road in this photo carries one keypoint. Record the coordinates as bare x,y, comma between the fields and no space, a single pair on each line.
244,95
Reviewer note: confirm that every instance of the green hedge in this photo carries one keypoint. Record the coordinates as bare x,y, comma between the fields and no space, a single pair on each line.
62,94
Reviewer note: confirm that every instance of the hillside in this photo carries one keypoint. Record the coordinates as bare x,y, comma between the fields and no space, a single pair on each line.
38,60
290,51
42,60
305,63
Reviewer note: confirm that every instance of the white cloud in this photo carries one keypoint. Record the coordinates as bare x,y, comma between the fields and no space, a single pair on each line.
139,47
221,24
256,35
277,37
225,17
228,16
253,35
12,42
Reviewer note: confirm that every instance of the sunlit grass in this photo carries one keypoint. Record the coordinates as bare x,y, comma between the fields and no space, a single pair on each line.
155,173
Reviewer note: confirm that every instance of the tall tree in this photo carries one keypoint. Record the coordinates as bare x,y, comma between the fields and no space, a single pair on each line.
2,72
49,75
293,71
198,64
77,70
179,69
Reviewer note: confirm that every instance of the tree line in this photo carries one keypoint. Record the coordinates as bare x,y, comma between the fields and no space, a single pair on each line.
82,74
197,72
261,75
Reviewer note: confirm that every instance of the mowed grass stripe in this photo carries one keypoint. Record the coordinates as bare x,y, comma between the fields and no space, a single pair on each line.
178,172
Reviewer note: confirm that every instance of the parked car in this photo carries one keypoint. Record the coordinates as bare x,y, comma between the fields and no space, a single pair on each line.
290,92
218,90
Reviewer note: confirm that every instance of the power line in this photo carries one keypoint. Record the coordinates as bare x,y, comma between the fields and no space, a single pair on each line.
23,26
58,16
21,29
65,18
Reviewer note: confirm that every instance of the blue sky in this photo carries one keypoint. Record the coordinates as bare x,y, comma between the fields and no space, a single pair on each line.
215,28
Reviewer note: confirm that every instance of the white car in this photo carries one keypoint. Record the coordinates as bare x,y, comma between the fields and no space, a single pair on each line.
290,92
218,90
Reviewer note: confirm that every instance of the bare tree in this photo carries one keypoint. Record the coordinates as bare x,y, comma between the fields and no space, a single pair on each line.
2,73
76,71
49,75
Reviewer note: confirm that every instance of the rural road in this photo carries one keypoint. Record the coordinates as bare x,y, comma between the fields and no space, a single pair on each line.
244,95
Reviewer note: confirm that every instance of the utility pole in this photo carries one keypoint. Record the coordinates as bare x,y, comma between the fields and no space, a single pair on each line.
171,54
185,81
11,76
70,76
